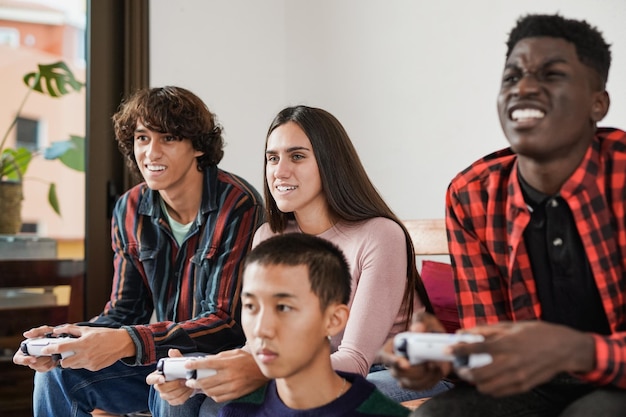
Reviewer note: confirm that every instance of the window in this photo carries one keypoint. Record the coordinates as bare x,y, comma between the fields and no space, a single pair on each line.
27,131
31,228
9,37
43,33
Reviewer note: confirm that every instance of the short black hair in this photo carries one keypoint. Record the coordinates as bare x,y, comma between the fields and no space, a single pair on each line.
591,48
329,274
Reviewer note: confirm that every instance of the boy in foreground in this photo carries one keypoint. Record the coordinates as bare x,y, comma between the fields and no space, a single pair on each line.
294,298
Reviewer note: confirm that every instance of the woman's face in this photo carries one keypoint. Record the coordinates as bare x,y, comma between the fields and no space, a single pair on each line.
293,176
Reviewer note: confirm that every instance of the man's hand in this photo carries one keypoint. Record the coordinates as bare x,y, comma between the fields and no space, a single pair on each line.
421,376
237,375
40,364
94,347
174,392
526,354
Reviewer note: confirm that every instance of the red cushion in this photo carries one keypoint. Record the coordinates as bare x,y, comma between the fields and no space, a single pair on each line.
437,277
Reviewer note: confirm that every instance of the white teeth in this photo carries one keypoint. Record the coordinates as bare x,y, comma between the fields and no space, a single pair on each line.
285,188
527,114
155,167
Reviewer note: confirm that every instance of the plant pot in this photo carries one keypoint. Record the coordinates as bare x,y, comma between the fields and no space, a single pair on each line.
10,207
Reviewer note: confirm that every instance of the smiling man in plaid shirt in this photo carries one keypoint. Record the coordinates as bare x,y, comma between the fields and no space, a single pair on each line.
537,236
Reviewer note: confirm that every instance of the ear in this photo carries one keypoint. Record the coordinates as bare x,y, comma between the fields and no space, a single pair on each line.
198,153
600,105
336,318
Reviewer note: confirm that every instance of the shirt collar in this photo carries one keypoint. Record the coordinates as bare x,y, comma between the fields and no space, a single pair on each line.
585,175
150,200
532,197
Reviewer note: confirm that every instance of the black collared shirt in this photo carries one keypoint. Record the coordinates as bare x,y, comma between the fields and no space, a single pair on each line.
565,286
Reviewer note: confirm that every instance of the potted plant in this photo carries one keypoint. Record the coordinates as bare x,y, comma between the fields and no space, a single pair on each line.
54,80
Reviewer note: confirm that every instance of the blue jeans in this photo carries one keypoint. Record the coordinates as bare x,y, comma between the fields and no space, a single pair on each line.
118,389
388,385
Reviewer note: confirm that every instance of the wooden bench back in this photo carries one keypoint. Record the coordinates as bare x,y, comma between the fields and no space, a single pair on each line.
428,235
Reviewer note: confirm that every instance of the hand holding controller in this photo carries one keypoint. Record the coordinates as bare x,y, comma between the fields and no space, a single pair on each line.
33,347
200,373
174,368
422,347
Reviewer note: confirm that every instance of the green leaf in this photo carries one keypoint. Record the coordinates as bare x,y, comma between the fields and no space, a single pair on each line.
70,152
74,157
14,162
59,80
53,199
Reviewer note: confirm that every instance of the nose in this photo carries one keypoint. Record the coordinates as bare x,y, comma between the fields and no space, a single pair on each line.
264,325
153,150
281,169
528,84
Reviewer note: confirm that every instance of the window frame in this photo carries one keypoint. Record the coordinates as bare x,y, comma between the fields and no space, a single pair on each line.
117,63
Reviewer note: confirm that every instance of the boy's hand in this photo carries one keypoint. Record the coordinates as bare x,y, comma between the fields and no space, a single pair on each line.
420,376
526,354
174,392
237,375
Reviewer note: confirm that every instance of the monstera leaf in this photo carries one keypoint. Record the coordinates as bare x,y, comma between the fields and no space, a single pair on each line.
59,80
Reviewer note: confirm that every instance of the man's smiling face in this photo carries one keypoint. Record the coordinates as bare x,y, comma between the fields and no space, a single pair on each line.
546,99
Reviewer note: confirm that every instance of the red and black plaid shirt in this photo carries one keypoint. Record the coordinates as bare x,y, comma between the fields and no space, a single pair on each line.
486,217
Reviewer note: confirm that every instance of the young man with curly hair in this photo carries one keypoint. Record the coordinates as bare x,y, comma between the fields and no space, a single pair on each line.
179,239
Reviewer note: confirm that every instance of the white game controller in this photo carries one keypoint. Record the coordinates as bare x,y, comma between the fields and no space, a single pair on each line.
174,368
33,347
423,347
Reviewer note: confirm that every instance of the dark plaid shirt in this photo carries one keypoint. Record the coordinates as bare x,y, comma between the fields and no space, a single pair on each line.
486,218
194,289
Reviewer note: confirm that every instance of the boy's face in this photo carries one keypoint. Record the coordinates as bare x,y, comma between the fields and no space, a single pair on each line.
165,162
547,98
284,325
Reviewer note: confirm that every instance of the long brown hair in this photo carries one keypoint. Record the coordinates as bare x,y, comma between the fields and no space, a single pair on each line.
350,194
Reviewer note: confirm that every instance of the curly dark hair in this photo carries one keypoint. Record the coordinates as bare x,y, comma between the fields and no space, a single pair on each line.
591,48
173,110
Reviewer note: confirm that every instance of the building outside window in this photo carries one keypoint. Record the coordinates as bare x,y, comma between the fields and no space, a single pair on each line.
34,32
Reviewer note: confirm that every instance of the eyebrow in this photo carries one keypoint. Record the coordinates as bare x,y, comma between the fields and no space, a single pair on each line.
292,149
279,295
547,63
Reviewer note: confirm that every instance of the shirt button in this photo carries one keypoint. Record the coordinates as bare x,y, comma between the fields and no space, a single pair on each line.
557,242
554,203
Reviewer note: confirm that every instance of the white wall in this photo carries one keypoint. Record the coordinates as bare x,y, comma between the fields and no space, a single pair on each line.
414,82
